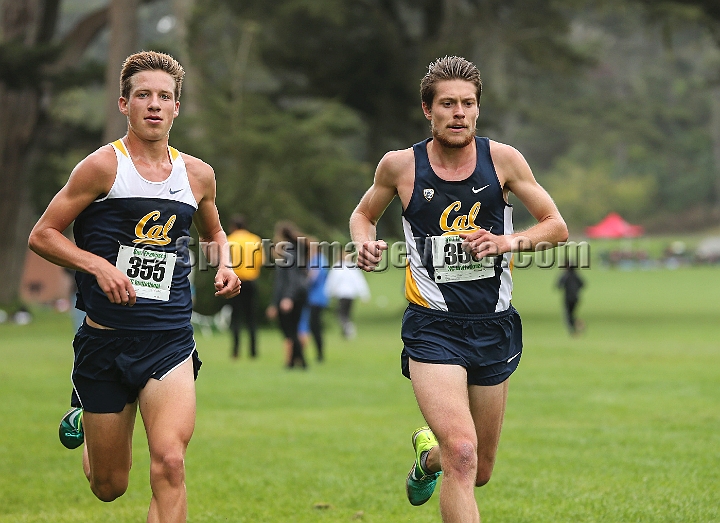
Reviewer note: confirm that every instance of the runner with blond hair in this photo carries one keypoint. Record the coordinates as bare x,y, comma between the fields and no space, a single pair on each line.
132,203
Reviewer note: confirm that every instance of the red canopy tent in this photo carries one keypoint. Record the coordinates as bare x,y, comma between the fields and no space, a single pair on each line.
613,226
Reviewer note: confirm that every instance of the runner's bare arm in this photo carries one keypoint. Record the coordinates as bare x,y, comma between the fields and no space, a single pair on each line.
516,176
207,222
90,179
364,218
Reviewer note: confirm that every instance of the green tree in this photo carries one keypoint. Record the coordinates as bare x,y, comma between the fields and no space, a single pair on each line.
275,156
42,137
642,111
369,56
32,68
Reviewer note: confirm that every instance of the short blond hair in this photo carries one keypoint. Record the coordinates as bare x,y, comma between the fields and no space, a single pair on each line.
150,61
448,68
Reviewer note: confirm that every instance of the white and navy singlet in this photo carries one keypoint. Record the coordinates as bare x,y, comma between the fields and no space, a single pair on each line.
139,226
440,275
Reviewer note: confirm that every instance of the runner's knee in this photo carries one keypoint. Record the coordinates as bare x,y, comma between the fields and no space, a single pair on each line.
484,471
459,455
482,477
109,488
168,466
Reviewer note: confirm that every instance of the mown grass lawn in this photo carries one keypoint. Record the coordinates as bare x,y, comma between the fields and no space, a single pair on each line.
621,424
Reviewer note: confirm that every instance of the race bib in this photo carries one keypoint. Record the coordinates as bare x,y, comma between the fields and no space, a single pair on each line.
452,263
150,272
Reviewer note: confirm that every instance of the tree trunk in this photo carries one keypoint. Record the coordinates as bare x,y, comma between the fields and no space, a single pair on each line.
29,23
23,22
123,42
18,112
182,9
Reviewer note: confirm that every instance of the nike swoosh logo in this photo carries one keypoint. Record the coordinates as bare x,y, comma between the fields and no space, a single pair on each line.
480,189
175,192
518,354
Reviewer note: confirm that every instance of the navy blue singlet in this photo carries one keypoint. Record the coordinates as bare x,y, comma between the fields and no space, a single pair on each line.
142,221
439,274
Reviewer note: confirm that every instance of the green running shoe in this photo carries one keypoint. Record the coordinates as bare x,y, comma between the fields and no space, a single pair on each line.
71,430
420,485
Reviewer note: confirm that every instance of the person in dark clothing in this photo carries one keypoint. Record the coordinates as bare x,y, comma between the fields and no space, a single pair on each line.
246,255
243,311
290,289
311,318
571,283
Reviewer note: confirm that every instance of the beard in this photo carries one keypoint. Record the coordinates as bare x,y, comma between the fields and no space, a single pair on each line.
453,142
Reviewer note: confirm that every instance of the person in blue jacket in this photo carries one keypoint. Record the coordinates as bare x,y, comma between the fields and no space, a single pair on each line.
317,302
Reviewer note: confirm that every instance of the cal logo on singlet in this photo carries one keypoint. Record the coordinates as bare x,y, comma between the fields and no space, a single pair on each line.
136,227
440,275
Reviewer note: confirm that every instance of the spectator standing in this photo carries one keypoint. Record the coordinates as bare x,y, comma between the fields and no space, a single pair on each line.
571,283
290,289
347,284
246,256
311,317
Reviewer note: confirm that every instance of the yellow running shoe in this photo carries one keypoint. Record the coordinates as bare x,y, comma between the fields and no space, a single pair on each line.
420,484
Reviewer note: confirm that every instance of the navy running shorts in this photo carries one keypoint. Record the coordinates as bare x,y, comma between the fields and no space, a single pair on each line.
111,366
488,346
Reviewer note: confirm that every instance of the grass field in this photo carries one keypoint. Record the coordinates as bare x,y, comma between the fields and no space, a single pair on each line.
619,425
